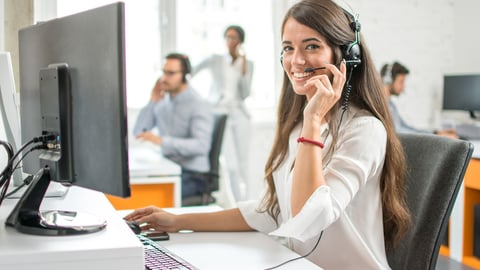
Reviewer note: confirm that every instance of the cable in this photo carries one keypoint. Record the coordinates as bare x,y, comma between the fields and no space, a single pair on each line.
346,99
8,147
8,171
29,178
26,182
43,139
299,257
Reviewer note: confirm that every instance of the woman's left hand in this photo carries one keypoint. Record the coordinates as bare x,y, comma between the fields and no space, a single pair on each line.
326,93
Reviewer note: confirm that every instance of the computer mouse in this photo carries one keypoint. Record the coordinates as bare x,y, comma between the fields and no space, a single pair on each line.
134,226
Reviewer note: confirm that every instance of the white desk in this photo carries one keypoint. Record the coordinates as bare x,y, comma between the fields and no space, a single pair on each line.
148,166
115,247
239,250
229,250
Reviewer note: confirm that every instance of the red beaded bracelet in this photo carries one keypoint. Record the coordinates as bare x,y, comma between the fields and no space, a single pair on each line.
302,139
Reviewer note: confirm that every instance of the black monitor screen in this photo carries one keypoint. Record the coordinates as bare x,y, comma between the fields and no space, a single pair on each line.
461,92
72,85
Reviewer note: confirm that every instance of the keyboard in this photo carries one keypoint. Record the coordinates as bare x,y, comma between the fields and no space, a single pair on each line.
158,257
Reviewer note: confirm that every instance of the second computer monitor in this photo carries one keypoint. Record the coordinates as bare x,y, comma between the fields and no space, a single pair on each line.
462,92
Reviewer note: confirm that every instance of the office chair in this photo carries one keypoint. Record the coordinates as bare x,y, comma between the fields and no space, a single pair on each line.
211,177
435,169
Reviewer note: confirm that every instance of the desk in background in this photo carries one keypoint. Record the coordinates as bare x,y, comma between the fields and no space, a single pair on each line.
154,179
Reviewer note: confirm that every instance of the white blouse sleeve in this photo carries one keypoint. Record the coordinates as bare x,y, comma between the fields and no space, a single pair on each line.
260,221
316,213
359,158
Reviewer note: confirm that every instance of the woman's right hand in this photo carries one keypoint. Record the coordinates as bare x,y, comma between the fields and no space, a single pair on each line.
152,217
326,92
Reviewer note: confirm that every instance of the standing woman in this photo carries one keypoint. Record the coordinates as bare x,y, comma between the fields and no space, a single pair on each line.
231,75
336,173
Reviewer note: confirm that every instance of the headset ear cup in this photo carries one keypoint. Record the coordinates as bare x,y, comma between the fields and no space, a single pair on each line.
187,68
352,55
387,77
352,51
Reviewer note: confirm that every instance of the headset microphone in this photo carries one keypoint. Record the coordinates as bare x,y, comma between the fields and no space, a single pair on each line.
313,69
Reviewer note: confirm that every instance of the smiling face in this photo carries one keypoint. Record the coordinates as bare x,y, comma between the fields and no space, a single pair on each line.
303,47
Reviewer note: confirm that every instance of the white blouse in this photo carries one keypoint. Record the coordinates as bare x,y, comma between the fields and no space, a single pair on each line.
348,209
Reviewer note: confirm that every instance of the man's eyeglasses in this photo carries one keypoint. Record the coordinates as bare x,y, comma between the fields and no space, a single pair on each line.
170,73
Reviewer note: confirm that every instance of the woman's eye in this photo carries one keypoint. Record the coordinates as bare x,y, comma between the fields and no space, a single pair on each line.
286,49
312,47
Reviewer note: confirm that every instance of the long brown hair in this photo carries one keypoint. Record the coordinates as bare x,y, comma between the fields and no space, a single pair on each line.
367,93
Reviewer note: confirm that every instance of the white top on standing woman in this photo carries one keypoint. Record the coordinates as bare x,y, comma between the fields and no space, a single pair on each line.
231,79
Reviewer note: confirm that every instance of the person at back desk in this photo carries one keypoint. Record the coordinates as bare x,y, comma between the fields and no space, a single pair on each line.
394,76
184,121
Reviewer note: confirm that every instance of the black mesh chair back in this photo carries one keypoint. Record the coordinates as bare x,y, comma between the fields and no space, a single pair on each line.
212,178
216,148
436,166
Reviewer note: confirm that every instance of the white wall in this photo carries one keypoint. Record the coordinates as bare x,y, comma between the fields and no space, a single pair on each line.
466,37
2,28
430,37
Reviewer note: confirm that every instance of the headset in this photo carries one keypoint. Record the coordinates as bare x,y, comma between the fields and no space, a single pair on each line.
186,67
387,77
352,51
352,54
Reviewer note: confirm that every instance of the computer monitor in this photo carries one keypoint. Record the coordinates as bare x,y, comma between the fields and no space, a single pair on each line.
462,92
72,92
9,111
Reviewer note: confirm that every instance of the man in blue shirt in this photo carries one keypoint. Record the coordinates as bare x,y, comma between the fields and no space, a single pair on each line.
184,121
394,76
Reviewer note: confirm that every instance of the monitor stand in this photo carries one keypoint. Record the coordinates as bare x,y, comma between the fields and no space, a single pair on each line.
26,217
473,115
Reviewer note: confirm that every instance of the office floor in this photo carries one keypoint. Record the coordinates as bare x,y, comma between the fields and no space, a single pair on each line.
446,264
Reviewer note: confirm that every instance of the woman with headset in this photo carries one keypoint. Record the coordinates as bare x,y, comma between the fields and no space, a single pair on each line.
335,176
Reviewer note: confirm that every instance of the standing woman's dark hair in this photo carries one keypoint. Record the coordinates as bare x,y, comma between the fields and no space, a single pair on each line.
238,29
332,22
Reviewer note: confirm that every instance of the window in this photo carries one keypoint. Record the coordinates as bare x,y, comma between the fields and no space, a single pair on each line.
193,27
200,29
